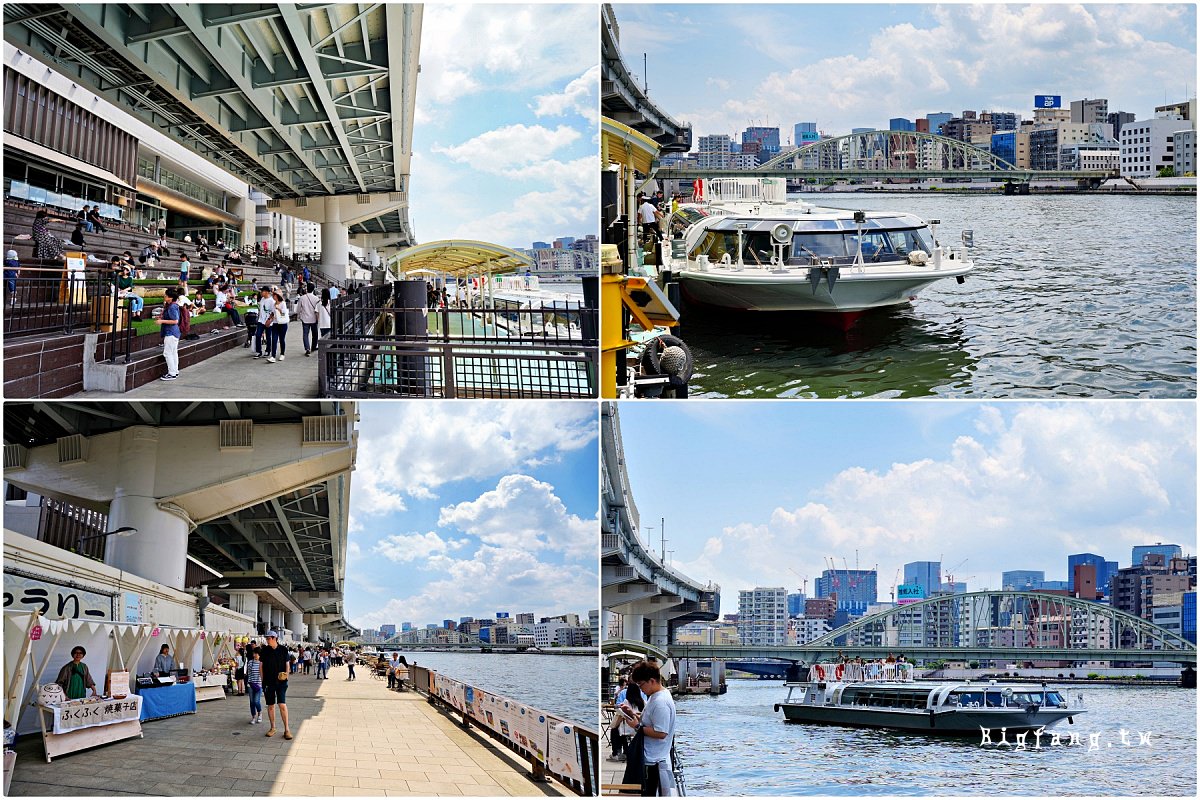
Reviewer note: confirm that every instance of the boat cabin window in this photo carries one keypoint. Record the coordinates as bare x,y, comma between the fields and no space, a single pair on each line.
965,699
818,245
756,247
994,699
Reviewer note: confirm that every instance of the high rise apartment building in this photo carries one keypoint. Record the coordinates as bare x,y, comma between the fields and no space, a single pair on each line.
762,616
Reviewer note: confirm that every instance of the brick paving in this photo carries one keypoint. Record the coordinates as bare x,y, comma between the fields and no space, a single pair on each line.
352,739
233,373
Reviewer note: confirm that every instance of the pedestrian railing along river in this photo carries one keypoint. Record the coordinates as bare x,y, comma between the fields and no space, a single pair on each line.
555,747
379,348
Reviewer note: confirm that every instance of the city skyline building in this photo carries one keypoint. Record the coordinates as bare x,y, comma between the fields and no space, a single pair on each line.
762,616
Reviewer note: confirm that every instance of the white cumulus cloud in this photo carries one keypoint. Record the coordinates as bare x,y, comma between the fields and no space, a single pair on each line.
404,548
524,513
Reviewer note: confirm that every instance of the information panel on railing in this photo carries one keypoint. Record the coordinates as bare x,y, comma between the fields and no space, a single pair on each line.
562,749
548,739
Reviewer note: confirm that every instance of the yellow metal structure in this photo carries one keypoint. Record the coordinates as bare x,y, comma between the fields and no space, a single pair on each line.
632,152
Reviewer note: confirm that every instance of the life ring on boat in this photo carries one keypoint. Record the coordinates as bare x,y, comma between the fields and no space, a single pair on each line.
819,671
839,671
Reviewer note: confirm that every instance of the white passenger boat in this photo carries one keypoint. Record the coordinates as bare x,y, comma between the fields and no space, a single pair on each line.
745,246
832,697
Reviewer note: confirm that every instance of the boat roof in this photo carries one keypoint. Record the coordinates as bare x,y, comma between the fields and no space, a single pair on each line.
820,221
932,685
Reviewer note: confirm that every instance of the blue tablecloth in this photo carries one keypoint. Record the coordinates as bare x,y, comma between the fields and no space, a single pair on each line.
167,701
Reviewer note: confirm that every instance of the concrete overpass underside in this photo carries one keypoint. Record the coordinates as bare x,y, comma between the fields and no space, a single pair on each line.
651,598
258,493
312,104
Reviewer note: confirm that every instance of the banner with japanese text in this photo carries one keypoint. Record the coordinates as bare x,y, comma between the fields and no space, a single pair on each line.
72,716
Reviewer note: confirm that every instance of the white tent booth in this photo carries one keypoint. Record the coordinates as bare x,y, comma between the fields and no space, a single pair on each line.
36,648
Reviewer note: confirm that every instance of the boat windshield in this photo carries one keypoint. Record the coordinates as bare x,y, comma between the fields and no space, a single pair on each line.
889,245
756,247
877,245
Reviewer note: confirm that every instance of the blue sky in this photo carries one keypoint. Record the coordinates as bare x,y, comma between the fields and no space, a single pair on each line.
504,141
753,490
725,67
465,509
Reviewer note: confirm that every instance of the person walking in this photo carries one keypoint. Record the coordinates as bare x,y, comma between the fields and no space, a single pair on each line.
239,673
393,665
168,329
351,660
323,665
266,309
275,682
279,328
306,310
254,685
657,724
324,320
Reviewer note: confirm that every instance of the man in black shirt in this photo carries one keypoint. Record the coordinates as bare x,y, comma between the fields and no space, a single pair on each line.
274,677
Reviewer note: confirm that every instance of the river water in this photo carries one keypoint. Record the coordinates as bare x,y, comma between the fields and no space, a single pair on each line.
1072,296
735,744
566,686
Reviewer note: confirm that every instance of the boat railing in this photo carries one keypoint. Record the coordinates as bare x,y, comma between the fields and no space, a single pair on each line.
852,672
745,190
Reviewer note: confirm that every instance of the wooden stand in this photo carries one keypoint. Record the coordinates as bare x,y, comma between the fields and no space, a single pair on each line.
10,763
210,687
57,744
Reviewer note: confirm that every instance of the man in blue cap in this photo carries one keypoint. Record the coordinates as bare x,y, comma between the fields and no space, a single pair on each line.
274,677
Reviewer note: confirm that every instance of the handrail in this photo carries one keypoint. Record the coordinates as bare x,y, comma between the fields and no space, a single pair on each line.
444,692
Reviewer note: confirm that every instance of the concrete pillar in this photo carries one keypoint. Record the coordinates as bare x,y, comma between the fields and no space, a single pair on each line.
158,551
335,243
296,624
276,619
631,627
373,257
245,603
660,632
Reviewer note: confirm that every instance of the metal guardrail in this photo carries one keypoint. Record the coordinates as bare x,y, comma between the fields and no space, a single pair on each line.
587,741
50,300
379,349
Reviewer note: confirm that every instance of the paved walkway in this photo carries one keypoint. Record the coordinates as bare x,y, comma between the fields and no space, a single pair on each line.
351,739
234,374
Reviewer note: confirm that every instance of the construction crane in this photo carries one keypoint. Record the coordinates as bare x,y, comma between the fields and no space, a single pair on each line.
895,583
950,572
803,581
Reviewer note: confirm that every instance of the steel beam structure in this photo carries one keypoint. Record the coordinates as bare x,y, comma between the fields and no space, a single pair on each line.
299,100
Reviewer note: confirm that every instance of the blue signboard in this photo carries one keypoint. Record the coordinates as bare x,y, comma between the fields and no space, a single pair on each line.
909,593
1047,101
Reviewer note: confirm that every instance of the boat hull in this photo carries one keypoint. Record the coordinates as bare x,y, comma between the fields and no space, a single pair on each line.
953,722
853,292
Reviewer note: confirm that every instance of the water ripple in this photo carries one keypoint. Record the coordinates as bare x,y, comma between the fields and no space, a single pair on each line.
1073,296
736,745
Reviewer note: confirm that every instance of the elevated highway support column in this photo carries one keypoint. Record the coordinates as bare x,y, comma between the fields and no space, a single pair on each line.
296,625
633,627
245,603
335,243
158,550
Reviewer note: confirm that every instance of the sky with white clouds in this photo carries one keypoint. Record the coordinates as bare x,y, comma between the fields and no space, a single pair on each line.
466,509
504,141
762,493
726,67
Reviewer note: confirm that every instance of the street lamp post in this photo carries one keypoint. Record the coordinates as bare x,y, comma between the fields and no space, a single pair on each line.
124,530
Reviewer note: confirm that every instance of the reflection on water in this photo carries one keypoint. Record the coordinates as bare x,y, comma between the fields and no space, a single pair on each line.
736,745
1079,295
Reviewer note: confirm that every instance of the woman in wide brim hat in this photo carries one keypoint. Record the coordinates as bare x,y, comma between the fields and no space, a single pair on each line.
75,678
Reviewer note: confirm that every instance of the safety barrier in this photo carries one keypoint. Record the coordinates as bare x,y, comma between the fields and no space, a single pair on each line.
555,747
378,348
